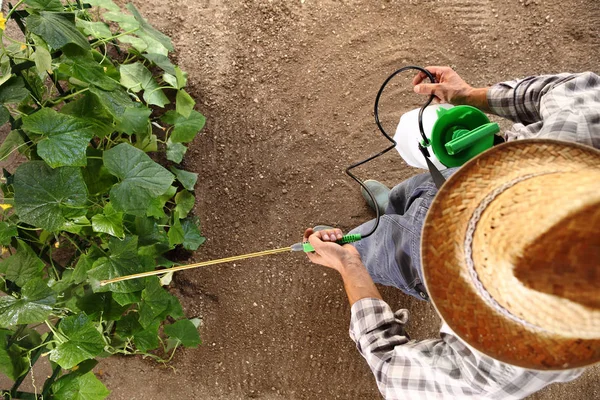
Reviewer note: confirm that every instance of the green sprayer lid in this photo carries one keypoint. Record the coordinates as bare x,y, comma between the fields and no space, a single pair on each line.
460,133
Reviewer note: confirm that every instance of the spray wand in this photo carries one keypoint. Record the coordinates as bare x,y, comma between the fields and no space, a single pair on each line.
305,246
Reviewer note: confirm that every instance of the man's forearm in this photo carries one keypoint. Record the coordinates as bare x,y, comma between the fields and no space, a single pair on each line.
358,282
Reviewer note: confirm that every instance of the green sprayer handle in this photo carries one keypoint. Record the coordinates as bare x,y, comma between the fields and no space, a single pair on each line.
307,247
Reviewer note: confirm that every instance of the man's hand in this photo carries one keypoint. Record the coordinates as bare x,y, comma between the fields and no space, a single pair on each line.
330,254
344,259
451,88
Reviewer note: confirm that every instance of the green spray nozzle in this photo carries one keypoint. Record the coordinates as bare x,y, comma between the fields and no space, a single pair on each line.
308,248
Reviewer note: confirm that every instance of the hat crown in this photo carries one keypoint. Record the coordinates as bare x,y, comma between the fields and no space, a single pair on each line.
536,250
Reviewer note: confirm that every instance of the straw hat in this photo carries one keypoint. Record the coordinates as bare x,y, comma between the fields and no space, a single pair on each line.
511,254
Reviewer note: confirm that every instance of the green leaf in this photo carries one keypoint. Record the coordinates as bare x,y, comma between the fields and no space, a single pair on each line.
76,225
185,202
187,179
45,5
34,305
22,266
181,78
7,232
85,263
170,79
101,306
141,179
127,298
57,29
13,91
43,60
83,341
96,29
161,61
147,144
13,141
136,42
110,222
156,208
185,129
176,234
65,138
175,151
135,120
48,198
157,303
136,77
122,260
184,103
184,331
149,30
79,387
4,116
96,176
147,339
107,4
115,102
125,21
192,238
12,362
128,325
88,70
89,108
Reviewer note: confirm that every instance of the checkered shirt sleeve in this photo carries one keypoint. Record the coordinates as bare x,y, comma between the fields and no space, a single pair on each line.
563,107
444,368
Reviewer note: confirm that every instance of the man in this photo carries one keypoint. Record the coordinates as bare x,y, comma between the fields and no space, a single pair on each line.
508,251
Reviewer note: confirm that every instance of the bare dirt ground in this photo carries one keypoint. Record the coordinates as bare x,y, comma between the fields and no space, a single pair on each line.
288,89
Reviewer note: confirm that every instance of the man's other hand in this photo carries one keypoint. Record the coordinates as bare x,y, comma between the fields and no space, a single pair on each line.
327,253
451,88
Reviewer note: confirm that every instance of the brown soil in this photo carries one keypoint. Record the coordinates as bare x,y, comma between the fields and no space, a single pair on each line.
288,89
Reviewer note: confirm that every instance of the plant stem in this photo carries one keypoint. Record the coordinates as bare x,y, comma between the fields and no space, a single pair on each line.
61,99
14,8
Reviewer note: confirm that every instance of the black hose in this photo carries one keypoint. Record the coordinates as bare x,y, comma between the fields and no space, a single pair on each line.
388,137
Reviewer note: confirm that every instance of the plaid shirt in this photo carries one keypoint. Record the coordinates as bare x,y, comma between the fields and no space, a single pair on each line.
564,107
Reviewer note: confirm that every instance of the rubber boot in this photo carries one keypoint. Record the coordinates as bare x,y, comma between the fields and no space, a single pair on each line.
381,193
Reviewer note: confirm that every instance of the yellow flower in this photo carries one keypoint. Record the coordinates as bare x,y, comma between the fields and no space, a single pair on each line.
2,22
23,47
5,206
4,250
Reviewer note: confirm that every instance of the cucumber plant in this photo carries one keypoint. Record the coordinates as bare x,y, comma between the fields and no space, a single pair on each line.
92,99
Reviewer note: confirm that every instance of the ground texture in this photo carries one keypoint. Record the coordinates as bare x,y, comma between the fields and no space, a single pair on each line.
288,89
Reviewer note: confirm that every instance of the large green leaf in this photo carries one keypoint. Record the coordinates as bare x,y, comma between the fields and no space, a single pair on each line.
156,208
185,129
136,77
115,101
85,263
96,29
109,221
147,339
149,30
187,179
101,306
96,176
65,137
46,197
141,179
4,116
7,232
161,61
22,266
79,387
192,238
135,120
34,305
13,91
184,103
157,303
89,108
12,361
45,5
184,331
176,234
88,70
57,29
122,260
83,341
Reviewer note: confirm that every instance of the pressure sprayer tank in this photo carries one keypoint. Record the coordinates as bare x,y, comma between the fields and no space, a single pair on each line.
456,134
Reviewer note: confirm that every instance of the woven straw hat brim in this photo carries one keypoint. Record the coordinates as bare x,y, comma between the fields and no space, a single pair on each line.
446,273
